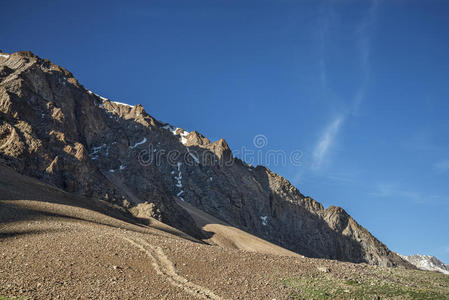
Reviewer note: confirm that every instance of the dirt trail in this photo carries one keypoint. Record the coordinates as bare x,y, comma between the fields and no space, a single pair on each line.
164,267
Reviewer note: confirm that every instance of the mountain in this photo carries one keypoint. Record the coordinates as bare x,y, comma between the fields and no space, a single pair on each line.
427,263
52,241
55,130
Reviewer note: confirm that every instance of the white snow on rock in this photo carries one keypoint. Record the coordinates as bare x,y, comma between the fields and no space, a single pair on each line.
121,103
427,263
183,137
4,55
122,167
179,177
96,151
111,170
106,99
264,220
101,97
182,133
139,143
179,181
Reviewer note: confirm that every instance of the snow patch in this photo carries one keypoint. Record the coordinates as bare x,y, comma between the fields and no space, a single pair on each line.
126,104
96,151
264,220
179,181
111,170
4,55
173,130
426,262
122,167
101,97
179,177
183,137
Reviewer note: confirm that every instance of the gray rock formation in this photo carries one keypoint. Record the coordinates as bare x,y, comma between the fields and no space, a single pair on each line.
427,263
53,129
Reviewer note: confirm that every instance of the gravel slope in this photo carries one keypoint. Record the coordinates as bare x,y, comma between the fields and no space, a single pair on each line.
58,246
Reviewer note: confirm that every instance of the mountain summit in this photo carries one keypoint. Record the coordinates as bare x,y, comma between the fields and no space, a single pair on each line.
427,263
55,130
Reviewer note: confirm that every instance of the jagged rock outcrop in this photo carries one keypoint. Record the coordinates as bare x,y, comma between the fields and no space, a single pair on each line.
427,263
53,129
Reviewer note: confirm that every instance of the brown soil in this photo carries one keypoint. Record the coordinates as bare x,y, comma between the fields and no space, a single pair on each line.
58,246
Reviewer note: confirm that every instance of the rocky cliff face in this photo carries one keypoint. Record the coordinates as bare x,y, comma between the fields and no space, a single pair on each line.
53,129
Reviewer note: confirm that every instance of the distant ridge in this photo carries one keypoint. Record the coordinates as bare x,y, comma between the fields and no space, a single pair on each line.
427,262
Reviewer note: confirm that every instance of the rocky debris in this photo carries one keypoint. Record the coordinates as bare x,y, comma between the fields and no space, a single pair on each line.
323,269
146,210
43,241
54,129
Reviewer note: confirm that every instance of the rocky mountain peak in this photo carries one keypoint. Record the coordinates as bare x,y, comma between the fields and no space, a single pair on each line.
195,138
221,149
54,129
427,263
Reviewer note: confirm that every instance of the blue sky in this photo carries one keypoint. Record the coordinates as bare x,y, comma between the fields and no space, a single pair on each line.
361,88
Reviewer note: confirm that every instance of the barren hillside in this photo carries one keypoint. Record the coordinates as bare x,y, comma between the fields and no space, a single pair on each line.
58,245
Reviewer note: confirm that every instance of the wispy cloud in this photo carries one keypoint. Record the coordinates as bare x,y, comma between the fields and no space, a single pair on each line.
326,141
363,39
394,190
442,166
363,44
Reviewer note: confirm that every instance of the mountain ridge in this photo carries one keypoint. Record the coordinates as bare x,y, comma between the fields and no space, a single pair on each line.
57,131
53,240
427,263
